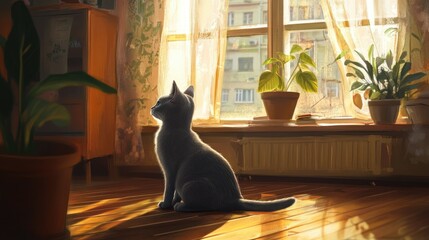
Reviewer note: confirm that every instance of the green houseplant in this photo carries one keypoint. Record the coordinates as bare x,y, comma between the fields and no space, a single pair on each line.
35,175
384,82
278,101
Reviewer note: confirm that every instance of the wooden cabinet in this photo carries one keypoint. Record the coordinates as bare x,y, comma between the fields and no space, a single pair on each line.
76,37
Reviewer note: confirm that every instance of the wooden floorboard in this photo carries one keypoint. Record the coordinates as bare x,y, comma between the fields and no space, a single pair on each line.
127,209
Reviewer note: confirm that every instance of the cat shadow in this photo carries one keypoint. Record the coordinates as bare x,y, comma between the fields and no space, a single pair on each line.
168,224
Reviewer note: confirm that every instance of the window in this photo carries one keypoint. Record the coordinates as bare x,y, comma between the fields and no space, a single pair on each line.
225,95
228,64
247,18
244,95
230,19
245,64
303,24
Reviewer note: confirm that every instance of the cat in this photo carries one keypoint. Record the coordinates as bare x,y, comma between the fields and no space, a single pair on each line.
197,178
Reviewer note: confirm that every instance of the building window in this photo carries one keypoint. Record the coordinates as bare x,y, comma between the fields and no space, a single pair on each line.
245,64
228,64
225,95
230,19
244,95
247,18
265,16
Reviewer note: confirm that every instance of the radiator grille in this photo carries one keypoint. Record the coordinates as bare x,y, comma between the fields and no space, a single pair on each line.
338,155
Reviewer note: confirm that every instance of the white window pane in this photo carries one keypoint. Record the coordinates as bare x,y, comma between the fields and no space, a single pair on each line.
247,12
329,100
244,57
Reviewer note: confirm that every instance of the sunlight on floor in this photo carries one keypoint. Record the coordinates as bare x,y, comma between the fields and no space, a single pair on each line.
109,219
92,206
321,221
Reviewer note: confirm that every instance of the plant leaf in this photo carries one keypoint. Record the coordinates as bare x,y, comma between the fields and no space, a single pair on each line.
296,48
411,78
23,35
389,59
306,59
284,58
307,80
57,81
6,99
270,61
379,61
338,57
356,85
371,51
405,69
405,89
375,95
269,81
357,64
358,72
403,55
351,75
364,87
38,112
382,75
390,31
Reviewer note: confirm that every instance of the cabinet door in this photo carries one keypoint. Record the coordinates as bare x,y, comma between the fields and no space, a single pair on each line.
63,49
101,112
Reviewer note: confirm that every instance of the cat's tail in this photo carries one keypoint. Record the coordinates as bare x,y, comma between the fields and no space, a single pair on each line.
255,205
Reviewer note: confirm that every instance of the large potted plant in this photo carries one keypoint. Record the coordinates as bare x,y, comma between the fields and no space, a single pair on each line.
35,175
280,103
384,82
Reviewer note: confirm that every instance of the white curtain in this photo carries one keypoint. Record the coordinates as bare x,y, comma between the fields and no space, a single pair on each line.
356,25
193,46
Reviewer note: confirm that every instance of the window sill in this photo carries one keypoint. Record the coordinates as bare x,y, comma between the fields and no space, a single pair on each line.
316,128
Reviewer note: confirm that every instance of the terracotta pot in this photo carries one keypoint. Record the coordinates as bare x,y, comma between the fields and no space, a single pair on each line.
35,192
384,111
280,105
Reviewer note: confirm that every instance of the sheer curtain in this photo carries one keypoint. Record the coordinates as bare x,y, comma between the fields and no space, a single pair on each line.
193,46
356,25
139,35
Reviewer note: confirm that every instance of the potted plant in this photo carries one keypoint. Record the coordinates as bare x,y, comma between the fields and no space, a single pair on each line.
384,82
35,175
280,103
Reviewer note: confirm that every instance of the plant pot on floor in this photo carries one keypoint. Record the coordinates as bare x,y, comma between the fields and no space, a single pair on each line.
384,111
280,105
35,191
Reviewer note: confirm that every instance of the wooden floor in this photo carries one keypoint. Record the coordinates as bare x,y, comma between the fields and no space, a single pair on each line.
126,209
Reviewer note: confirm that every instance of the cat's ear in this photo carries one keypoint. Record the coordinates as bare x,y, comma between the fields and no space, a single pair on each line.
174,89
189,91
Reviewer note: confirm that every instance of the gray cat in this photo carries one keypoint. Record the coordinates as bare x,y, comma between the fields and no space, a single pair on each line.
197,178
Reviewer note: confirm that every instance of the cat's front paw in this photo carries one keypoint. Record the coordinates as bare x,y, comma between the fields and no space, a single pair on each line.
164,205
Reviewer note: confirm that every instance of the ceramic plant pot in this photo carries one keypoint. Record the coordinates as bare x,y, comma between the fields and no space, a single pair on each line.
35,192
384,111
280,105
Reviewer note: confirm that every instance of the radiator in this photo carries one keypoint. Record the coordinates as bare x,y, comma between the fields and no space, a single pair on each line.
317,155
